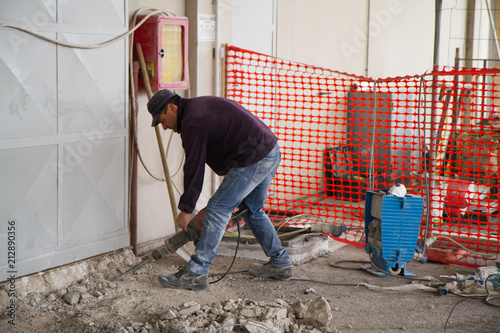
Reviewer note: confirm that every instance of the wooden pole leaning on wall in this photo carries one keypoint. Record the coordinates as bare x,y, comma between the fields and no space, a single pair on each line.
149,92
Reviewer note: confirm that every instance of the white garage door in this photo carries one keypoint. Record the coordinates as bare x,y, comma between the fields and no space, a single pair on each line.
63,134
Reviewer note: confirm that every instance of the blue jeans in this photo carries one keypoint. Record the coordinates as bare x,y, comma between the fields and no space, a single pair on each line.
249,185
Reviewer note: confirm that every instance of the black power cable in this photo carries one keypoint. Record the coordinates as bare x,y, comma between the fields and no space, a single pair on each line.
234,257
449,316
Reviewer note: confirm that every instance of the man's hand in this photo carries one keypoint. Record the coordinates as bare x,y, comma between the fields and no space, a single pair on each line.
182,220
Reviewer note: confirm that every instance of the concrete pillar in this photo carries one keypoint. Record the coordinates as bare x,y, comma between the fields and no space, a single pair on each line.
201,53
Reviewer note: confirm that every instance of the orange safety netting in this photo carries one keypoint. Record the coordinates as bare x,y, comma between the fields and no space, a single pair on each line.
341,135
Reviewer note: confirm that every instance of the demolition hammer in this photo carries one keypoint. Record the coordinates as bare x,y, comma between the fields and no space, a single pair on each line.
181,238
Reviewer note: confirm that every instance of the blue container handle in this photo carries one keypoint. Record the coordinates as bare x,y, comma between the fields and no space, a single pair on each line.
403,203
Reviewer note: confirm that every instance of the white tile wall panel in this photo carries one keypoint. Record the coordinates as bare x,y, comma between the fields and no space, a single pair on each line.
91,85
108,13
33,14
28,195
94,189
28,86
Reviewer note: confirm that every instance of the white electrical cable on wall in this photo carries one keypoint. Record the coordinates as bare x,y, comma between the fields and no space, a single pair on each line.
84,46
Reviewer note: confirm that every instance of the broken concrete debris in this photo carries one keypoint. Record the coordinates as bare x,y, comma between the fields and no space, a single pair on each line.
316,312
249,315
233,315
71,298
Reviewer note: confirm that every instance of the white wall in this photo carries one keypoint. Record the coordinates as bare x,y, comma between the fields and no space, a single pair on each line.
401,37
328,34
396,38
254,25
452,32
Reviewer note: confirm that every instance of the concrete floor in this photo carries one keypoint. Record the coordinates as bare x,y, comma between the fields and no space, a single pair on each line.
359,301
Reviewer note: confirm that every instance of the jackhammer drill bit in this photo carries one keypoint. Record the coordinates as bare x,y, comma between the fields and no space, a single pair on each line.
181,238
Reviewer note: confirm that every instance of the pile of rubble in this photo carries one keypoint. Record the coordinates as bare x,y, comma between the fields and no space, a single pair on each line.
241,315
234,315
248,316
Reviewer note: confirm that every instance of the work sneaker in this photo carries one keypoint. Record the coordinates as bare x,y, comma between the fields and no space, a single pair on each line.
184,279
267,270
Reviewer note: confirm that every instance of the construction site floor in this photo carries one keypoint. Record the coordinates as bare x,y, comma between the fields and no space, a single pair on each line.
140,303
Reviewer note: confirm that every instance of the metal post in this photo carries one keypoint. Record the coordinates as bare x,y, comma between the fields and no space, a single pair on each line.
492,23
437,31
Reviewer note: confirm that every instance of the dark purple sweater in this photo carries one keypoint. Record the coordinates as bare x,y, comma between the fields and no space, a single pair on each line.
220,133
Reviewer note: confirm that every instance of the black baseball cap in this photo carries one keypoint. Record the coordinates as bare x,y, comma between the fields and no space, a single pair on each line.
157,102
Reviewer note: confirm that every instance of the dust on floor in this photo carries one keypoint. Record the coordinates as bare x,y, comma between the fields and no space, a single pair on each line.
93,302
